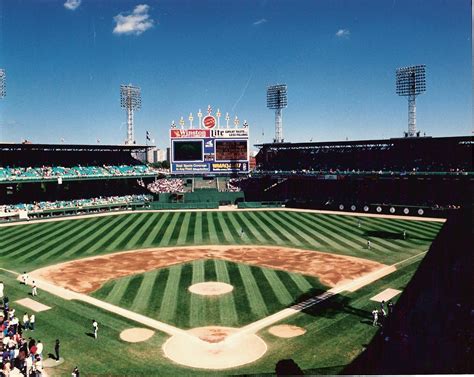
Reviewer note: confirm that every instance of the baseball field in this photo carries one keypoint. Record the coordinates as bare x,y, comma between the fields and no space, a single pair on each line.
135,270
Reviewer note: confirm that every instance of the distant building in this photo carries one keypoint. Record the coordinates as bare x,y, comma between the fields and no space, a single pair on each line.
155,155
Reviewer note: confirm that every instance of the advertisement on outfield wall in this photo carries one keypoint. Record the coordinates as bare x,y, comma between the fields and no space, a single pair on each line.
209,150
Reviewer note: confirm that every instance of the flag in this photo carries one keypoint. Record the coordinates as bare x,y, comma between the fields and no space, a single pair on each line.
148,138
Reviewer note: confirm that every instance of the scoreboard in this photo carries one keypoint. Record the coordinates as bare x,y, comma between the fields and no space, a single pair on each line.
214,150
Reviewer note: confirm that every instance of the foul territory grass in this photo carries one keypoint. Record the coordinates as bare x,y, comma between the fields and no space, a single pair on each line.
30,246
163,294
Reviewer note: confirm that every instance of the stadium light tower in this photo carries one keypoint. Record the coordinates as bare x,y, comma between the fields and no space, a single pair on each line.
277,100
131,100
411,81
2,83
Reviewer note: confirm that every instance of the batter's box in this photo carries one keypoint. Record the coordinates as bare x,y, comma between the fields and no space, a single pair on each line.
388,294
33,305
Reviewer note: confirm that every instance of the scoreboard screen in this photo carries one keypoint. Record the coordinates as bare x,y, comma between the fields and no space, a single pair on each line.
231,150
187,150
209,151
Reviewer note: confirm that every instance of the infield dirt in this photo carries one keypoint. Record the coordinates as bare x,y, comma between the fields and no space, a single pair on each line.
89,274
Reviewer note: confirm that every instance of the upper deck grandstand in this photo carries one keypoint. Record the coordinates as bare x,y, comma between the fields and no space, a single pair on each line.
424,154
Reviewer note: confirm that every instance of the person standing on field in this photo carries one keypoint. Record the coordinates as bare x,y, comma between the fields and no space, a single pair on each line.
368,244
34,289
56,350
32,322
95,327
1,289
375,315
26,321
24,277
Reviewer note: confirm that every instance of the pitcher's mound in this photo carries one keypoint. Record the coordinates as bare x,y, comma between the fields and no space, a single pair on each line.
286,331
212,348
136,334
211,288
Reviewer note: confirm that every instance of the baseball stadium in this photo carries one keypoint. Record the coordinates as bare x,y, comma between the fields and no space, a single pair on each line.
230,255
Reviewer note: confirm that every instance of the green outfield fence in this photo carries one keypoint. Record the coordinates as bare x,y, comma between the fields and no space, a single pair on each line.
260,204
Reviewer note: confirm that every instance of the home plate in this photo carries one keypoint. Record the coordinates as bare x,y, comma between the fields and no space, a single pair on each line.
32,304
385,295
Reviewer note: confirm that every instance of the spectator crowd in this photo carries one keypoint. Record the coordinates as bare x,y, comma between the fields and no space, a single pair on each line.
79,203
55,172
166,185
20,356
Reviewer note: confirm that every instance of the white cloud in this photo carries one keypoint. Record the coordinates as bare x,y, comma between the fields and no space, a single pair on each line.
259,22
72,4
343,33
136,22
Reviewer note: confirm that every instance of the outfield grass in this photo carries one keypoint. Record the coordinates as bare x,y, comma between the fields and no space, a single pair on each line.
30,246
163,294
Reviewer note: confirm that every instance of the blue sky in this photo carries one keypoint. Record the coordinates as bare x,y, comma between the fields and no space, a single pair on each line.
65,61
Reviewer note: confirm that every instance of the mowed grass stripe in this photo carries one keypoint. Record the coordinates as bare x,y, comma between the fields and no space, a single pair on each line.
38,239
63,249
255,298
181,318
198,229
205,229
361,239
142,230
191,228
145,292
214,239
230,219
281,293
278,229
66,251
260,219
333,233
131,291
256,225
117,292
56,241
228,234
197,307
29,235
85,245
169,302
294,234
112,234
182,235
412,227
130,232
300,281
18,232
151,238
218,228
399,246
317,230
177,229
169,230
154,305
227,309
301,230
251,228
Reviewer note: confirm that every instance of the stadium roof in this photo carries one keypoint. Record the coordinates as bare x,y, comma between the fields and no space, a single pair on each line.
73,147
370,143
